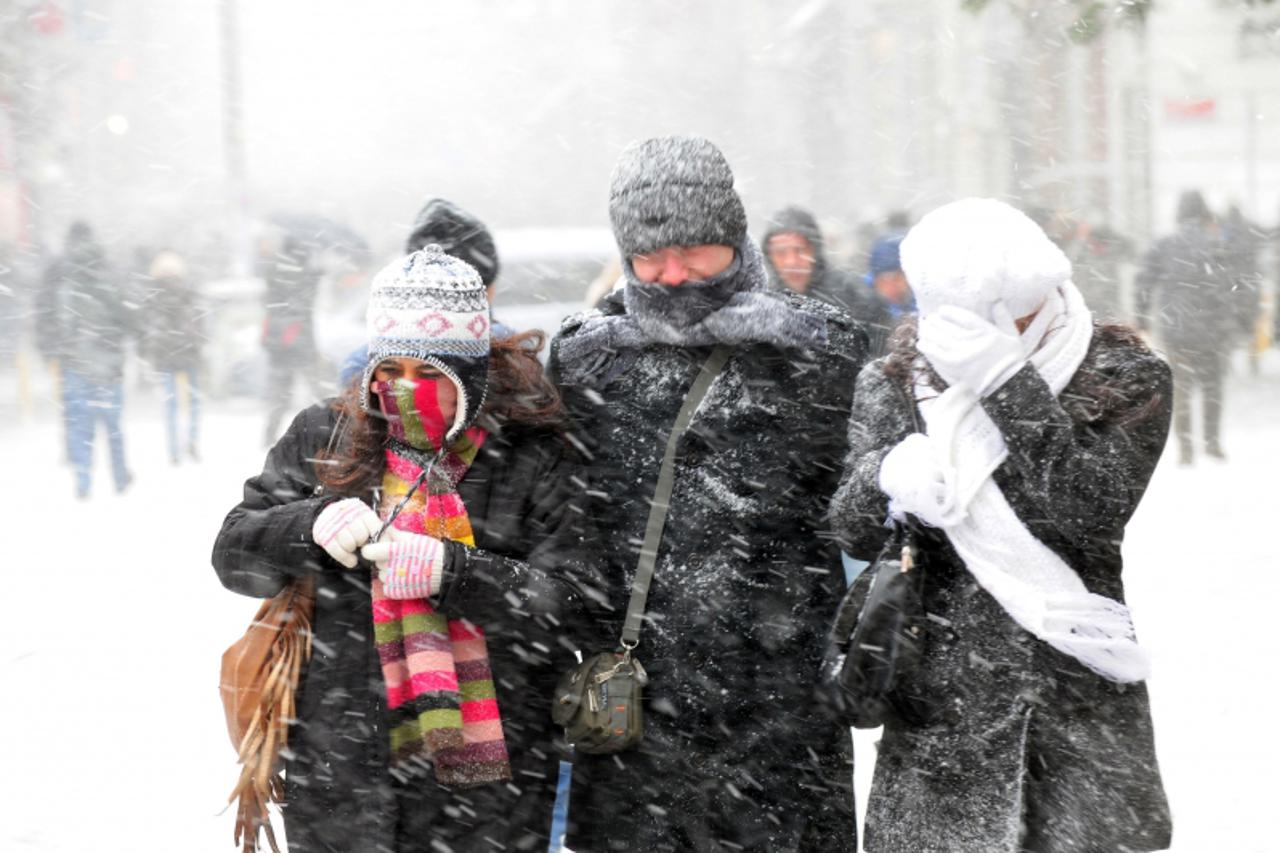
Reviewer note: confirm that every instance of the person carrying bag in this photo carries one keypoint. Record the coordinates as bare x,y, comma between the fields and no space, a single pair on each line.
598,701
1038,431
441,531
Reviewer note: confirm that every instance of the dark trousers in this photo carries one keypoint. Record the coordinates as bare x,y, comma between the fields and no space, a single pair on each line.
1206,371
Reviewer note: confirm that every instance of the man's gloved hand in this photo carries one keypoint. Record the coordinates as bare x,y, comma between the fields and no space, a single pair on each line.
343,526
970,351
410,565
912,476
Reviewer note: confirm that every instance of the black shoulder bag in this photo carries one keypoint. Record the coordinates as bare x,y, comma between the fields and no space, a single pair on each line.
598,701
878,635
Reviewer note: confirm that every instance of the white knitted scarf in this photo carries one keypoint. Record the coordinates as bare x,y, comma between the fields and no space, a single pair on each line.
1032,583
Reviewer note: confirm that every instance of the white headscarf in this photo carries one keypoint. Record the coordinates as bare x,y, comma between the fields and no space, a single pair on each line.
977,253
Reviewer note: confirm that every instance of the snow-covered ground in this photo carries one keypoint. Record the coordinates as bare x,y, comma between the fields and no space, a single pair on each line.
112,623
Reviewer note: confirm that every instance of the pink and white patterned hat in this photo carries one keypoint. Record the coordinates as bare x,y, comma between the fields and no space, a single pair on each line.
432,306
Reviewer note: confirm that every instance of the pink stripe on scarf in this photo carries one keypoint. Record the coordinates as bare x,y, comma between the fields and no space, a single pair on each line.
461,629
413,524
483,731
445,506
437,661
384,609
398,694
432,682
481,709
414,606
467,650
404,469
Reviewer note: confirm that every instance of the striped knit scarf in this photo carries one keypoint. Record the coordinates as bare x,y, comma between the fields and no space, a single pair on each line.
441,702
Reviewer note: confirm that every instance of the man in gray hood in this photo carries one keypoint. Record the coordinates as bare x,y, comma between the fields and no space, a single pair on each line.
736,753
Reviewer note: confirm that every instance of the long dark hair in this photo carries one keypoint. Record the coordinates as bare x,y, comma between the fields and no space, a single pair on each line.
1094,396
519,393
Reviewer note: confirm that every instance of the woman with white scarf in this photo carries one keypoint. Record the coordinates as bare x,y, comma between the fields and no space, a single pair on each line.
1033,436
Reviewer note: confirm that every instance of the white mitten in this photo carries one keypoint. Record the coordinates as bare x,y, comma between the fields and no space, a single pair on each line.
343,526
410,565
913,477
967,350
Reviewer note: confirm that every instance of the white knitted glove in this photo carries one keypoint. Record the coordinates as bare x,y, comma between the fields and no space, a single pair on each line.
343,526
410,565
967,350
913,478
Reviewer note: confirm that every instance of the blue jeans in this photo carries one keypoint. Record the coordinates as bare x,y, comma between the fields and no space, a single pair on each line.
85,404
560,812
170,384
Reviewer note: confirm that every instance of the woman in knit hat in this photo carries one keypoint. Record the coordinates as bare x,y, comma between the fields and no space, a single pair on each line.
1014,436
434,508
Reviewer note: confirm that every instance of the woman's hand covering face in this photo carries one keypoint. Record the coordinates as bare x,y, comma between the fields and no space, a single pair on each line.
967,350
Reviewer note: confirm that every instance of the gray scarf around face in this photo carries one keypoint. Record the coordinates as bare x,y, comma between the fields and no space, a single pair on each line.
734,307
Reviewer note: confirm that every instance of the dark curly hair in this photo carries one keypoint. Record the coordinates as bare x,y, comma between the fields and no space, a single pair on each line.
518,393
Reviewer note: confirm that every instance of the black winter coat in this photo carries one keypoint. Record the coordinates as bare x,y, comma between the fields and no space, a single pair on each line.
1024,749
523,506
86,315
735,754
288,331
1185,292
174,333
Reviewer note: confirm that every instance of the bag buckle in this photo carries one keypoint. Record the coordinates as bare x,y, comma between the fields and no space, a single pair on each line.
626,664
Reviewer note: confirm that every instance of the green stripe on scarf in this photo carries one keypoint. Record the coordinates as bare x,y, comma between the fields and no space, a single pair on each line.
411,731
465,449
413,432
474,690
425,623
387,632
416,623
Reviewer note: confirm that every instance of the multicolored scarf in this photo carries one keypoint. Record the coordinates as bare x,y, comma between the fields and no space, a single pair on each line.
441,700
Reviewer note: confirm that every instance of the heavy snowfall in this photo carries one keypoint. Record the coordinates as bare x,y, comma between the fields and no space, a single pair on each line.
271,157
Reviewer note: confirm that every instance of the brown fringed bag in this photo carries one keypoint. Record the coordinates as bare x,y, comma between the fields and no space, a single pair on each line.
260,674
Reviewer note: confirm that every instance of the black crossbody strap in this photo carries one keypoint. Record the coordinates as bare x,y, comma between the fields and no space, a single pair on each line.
662,496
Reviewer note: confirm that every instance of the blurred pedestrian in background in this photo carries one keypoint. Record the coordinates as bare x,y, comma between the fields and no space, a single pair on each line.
423,718
1038,432
887,299
288,332
796,259
173,343
85,319
1184,293
1242,245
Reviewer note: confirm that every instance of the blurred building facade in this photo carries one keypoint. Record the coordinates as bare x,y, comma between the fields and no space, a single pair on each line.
116,111
1215,102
